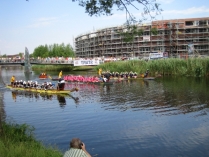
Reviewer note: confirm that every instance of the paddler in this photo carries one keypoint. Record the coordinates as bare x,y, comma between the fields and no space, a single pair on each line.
100,72
146,73
12,80
61,84
60,74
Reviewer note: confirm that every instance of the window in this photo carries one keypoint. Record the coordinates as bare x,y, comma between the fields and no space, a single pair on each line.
189,23
202,23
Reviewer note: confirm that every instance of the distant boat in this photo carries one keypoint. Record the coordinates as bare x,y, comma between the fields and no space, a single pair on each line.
43,76
149,78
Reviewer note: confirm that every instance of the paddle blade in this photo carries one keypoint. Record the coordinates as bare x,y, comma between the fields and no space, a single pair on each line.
74,89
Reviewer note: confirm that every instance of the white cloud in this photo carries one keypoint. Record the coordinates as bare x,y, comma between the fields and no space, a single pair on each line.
189,11
42,22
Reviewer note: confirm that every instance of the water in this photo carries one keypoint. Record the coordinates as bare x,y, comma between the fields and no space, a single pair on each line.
163,117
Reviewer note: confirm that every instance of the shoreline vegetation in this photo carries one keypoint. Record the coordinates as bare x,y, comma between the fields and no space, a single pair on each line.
193,67
52,67
19,140
65,68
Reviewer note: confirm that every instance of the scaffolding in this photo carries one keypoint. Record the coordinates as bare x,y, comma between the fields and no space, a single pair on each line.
173,37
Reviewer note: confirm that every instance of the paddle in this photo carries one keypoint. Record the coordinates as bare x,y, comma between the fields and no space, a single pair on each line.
76,99
49,77
74,89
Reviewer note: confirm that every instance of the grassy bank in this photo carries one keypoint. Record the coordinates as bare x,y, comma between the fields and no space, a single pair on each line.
197,67
18,140
52,68
58,68
83,68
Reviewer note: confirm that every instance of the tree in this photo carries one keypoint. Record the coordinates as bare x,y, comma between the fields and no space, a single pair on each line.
150,8
105,7
20,54
40,51
54,50
130,33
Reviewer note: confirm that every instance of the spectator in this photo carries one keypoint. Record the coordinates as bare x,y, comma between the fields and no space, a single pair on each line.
77,149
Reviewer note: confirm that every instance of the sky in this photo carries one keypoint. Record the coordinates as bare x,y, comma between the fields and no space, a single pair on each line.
38,22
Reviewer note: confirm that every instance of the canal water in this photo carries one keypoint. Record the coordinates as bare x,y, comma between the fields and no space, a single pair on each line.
168,116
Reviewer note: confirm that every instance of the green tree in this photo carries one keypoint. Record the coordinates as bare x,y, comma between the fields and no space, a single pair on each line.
54,50
130,32
154,31
21,54
106,7
41,51
150,8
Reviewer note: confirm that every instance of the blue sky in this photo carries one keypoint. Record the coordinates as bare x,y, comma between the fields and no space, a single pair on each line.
38,22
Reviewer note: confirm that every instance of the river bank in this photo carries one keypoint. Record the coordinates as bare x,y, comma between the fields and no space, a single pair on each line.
20,139
195,67
65,68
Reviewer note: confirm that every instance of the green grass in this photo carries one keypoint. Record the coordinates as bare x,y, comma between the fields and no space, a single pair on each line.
18,141
52,67
65,68
83,68
195,67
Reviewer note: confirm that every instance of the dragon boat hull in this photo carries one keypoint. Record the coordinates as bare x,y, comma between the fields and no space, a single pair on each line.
97,83
103,83
149,78
128,78
55,79
43,77
49,91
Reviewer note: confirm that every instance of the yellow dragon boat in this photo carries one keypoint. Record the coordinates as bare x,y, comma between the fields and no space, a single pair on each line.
49,91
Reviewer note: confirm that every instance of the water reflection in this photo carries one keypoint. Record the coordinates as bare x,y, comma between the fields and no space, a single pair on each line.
61,100
33,96
162,96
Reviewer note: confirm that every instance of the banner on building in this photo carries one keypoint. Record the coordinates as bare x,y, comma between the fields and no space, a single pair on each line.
157,55
146,38
85,62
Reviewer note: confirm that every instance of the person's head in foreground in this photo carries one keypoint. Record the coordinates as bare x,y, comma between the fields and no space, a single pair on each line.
77,149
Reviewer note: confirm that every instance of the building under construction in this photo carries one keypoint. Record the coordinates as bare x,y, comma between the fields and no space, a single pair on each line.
179,37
